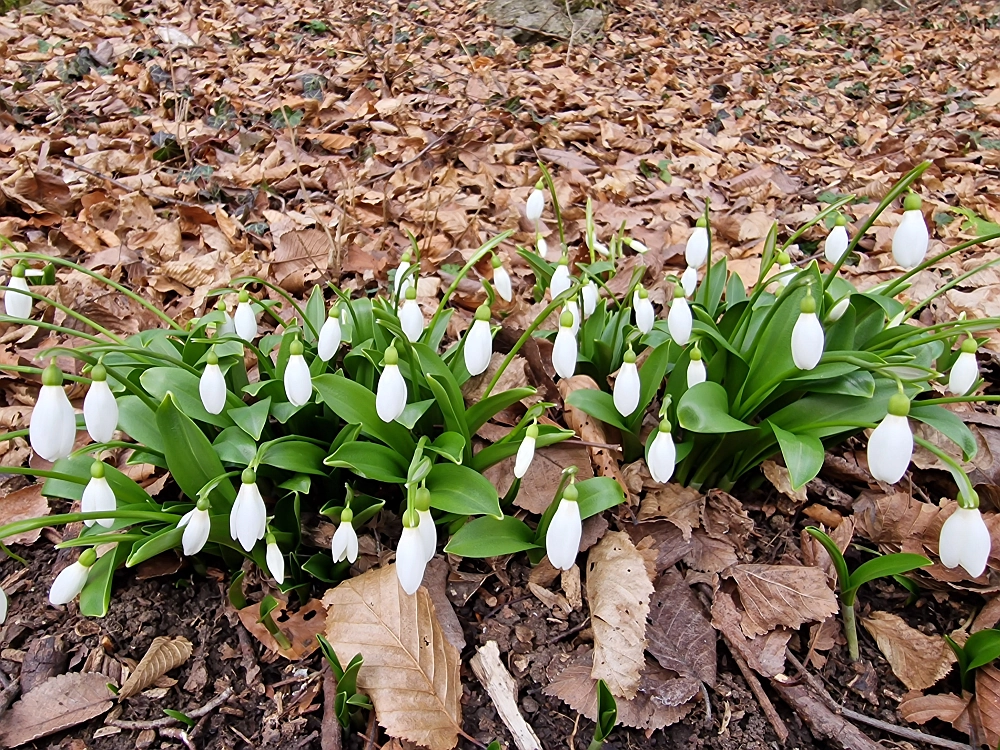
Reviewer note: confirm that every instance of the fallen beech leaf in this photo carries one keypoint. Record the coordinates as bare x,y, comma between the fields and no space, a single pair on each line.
299,627
765,654
411,670
944,706
893,519
163,655
779,477
682,506
618,589
918,660
709,555
680,637
786,595
987,705
590,430
18,505
60,702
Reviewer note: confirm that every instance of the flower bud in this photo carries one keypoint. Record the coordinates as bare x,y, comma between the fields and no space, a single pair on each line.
98,496
689,280
227,327
588,293
212,385
542,247
662,456
298,380
525,452
330,336
965,541
479,343
890,446
679,319
696,368
390,397
427,529
696,250
399,285
626,390
808,339
3,606
564,351
837,241
245,319
248,518
275,561
560,278
100,410
965,371
411,555
501,280
639,247
562,538
785,266
197,526
71,580
910,240
15,304
645,316
838,310
52,429
535,205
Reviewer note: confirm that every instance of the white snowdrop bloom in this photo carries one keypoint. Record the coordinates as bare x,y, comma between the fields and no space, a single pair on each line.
298,380
501,280
909,241
542,247
330,336
838,310
560,278
965,371
601,249
3,606
562,538
411,554
679,319
345,539
662,457
535,205
696,368
52,429
197,526
645,316
808,338
837,241
785,266
390,397
588,293
564,351
15,304
525,451
71,580
573,309
689,280
626,390
227,327
696,250
98,496
399,286
428,533
411,318
275,560
479,343
212,385
248,518
245,319
639,247
100,410
965,541
890,446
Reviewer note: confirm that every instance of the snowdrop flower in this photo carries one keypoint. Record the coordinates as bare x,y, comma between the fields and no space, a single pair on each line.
573,309
662,456
696,250
965,371
227,327
399,287
100,410
807,336
52,429
784,262
275,561
15,304
345,539
425,522
536,204
330,336
98,496
909,241
526,451
411,319
601,249
479,343
679,319
298,380
212,386
71,580
248,518
636,245
645,316
245,319
588,293
890,446
565,349
696,368
560,278
838,310
626,391
965,541
3,606
411,554
562,539
542,247
390,398
689,280
837,241
197,525
501,279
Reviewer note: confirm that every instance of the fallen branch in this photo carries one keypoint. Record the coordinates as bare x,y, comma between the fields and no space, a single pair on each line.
167,721
502,689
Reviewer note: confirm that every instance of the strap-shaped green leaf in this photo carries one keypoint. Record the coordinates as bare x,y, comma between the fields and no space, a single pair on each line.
190,457
491,537
803,455
599,405
463,491
371,461
886,565
355,404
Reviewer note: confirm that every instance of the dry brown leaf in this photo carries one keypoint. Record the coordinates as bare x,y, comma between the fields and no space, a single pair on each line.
618,589
163,655
60,702
782,595
709,555
680,637
918,660
948,707
299,627
782,481
765,654
302,255
18,505
893,519
986,710
682,506
815,554
411,670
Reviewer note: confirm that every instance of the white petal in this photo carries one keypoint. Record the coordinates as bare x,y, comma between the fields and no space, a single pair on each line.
411,559
228,327
679,321
645,316
662,457
964,374
562,538
543,248
564,353
838,310
234,514
560,280
275,563
298,381
100,412
411,319
951,542
98,496
251,517
639,247
344,540
52,428
525,452
212,389
352,546
535,205
909,242
574,310
696,250
196,531
390,398
68,584
807,341
329,339
890,448
501,282
397,283
977,546
428,533
17,305
245,321
3,606
626,391
478,348
689,280
696,372
589,294
836,244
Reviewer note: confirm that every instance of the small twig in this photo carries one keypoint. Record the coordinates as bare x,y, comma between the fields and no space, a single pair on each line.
708,703
568,633
166,721
332,736
765,703
176,733
370,733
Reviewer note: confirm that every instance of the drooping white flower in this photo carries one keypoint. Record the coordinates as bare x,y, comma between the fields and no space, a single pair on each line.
560,278
542,247
564,351
479,343
838,310
98,496
965,371
248,518
689,280
100,410
784,261
3,606
535,205
52,429
275,560
197,526
808,339
588,293
696,368
909,241
679,318
411,318
390,397
525,451
662,456
965,541
837,241
345,539
501,280
71,580
645,316
212,385
245,319
428,533
562,538
15,304
411,554
227,327
399,285
626,390
573,309
639,247
298,380
696,250
890,446
330,336
601,249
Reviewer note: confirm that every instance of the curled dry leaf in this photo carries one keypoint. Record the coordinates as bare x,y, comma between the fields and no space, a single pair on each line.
815,555
986,709
782,595
778,476
60,702
918,660
893,519
954,709
680,637
411,670
163,655
764,654
682,506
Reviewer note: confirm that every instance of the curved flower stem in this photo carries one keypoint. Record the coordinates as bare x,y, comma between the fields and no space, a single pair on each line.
69,311
30,524
847,614
126,383
12,436
917,307
944,331
42,473
52,327
967,497
835,206
281,293
600,282
890,290
547,176
109,445
38,371
143,352
959,400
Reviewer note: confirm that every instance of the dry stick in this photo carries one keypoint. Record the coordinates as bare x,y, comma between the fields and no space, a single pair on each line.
166,721
370,732
765,703
332,736
176,733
